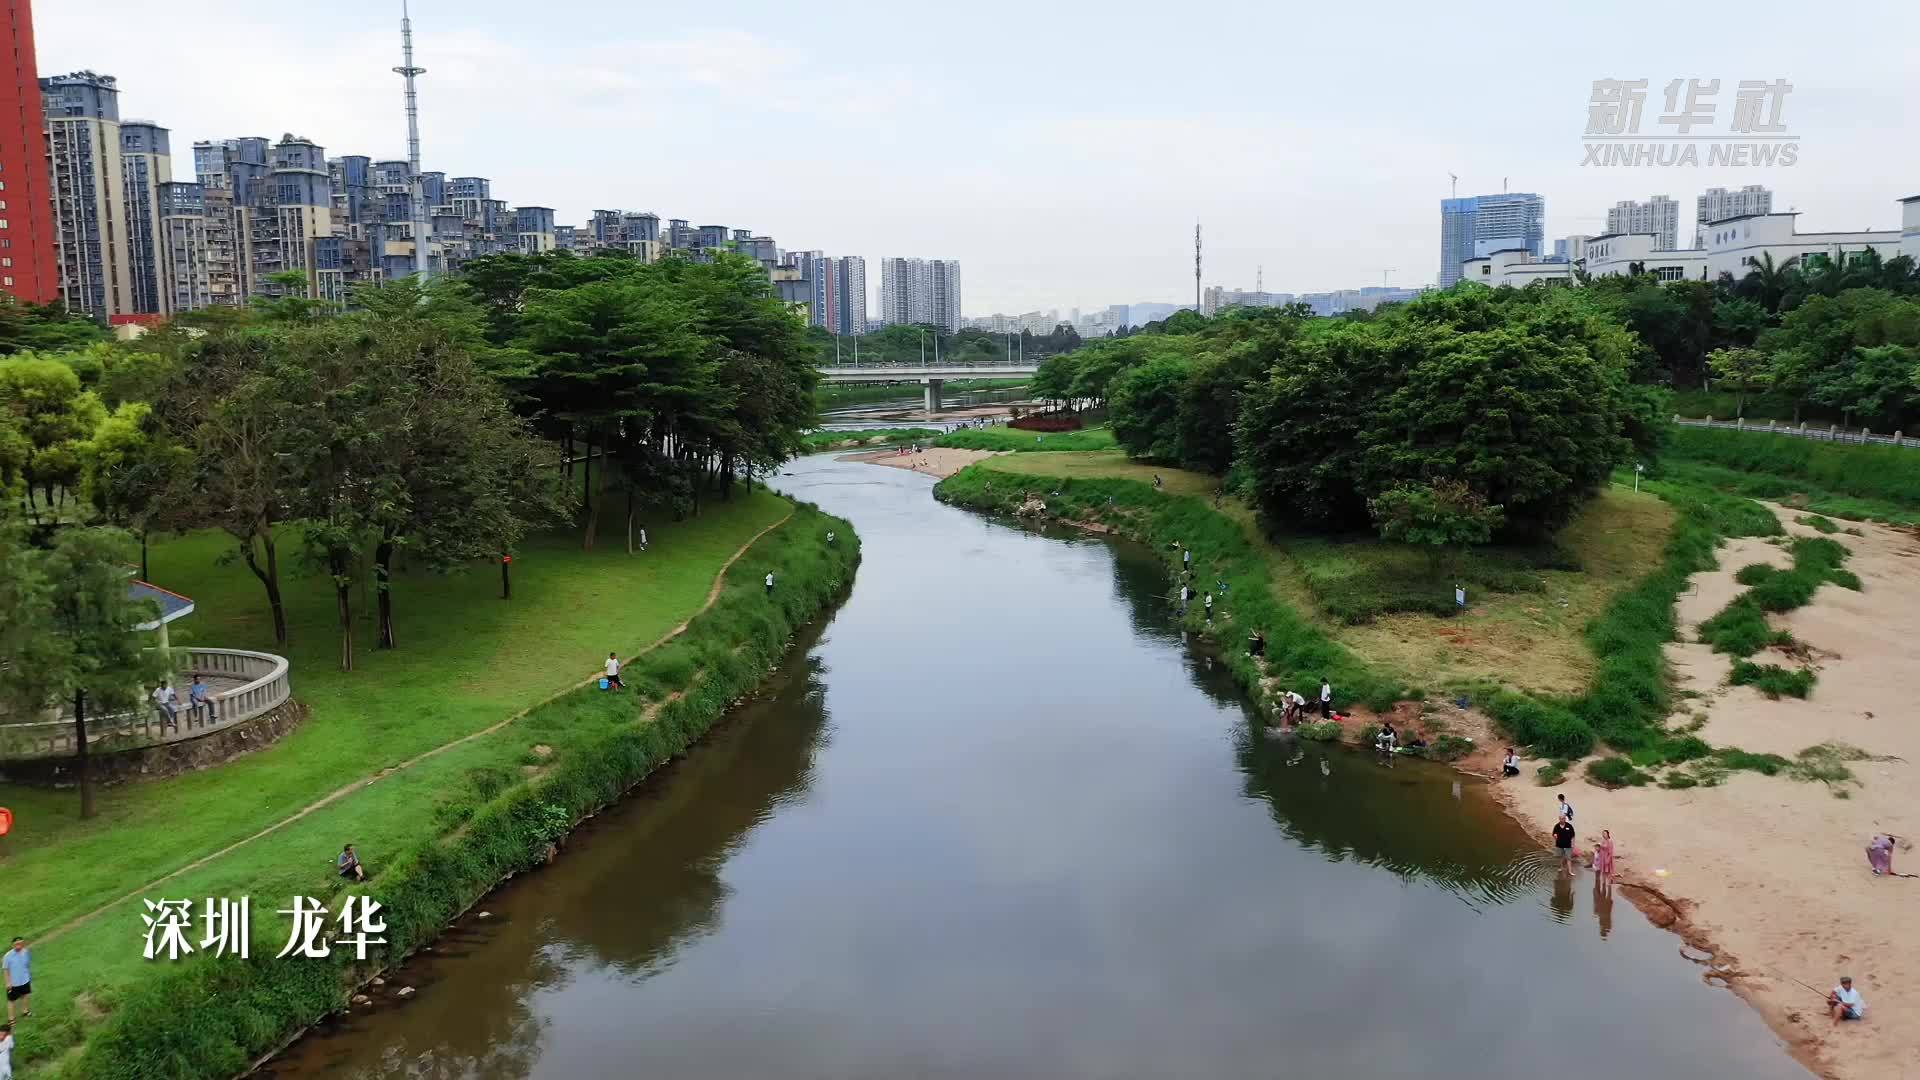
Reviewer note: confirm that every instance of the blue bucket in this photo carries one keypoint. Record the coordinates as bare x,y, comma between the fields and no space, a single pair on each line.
604,684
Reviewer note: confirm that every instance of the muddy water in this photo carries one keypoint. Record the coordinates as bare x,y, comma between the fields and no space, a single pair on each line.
996,818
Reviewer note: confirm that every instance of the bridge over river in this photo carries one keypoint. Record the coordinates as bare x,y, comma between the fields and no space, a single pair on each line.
932,376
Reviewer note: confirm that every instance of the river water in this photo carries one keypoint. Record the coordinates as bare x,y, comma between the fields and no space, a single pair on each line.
995,818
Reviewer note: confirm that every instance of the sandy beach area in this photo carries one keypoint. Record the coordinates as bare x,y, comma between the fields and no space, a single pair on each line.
936,461
1768,873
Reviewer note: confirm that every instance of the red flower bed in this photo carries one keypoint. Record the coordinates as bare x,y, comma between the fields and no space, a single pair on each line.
1047,422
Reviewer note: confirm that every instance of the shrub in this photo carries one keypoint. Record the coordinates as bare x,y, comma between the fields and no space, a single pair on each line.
1616,772
1322,731
1450,748
1552,772
1773,680
1815,521
1740,629
1677,780
1732,758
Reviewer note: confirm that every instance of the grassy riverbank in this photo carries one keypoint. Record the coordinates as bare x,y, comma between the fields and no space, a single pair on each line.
817,441
1626,616
1876,483
436,833
1008,438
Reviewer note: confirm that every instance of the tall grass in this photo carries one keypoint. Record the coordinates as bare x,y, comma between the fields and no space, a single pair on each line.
1298,652
212,1018
1891,473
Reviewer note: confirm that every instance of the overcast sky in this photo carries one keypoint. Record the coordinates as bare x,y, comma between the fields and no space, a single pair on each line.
1062,150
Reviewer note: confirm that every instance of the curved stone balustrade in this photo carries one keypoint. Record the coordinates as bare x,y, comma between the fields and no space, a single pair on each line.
248,684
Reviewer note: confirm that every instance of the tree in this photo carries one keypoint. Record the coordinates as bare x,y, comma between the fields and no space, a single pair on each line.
1145,409
1747,371
52,418
132,472
48,328
1872,382
289,298
1738,323
1523,397
224,407
1444,516
70,634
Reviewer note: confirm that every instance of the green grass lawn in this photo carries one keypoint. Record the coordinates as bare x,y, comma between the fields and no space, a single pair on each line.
1006,438
466,660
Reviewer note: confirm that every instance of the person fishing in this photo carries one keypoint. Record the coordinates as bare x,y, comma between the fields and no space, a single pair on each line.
1511,766
1845,1003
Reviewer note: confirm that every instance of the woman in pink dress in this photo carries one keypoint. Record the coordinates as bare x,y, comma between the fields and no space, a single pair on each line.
1603,856
1880,855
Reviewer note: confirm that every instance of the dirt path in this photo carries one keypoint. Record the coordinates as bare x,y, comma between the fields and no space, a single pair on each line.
713,596
1769,873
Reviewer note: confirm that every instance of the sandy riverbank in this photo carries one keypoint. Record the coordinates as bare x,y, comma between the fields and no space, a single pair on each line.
1769,873
935,461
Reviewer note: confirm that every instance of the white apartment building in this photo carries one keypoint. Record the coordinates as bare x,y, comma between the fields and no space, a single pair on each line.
1659,217
920,291
1730,246
1718,204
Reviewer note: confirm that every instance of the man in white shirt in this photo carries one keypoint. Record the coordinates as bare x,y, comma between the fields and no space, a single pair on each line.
1845,1003
167,702
1326,700
769,583
613,673
6,1052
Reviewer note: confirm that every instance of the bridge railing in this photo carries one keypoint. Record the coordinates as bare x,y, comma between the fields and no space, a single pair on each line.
1016,367
1823,433
264,686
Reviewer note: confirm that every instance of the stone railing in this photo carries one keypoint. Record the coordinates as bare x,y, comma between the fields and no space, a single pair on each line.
264,686
1803,430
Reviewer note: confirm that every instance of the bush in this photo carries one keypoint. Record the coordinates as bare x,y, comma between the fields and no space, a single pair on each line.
1450,748
1322,731
1815,521
1741,629
1552,772
1616,772
1772,680
1677,780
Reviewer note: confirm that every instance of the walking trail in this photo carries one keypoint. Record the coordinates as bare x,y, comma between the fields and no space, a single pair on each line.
713,596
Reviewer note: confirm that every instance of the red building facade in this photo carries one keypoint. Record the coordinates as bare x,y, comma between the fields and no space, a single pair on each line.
26,196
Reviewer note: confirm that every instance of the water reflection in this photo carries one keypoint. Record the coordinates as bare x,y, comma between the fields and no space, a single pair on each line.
999,819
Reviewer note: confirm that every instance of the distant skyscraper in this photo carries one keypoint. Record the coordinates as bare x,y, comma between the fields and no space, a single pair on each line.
838,291
920,291
28,258
1482,224
83,155
146,168
1658,217
1718,204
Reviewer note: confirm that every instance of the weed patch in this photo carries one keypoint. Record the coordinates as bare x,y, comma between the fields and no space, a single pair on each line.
1773,680
1616,772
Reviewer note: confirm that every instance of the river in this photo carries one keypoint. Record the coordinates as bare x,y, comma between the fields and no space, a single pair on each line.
996,818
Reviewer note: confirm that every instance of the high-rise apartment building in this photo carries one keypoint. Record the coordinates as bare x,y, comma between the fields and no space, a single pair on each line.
1718,204
838,291
1479,225
146,167
1658,217
533,226
186,277
920,291
28,256
82,113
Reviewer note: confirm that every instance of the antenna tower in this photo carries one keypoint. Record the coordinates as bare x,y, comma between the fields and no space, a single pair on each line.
422,227
1196,268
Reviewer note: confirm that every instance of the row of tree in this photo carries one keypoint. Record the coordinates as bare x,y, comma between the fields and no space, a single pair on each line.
433,424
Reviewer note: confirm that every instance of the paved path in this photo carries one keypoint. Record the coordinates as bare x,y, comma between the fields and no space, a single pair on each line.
713,595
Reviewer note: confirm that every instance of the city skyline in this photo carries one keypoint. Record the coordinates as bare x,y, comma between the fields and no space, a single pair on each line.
1091,152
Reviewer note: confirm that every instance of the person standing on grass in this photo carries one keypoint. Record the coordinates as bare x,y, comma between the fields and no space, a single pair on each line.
1209,607
769,583
643,539
18,966
1845,1003
1563,841
6,1052
829,537
1326,699
613,673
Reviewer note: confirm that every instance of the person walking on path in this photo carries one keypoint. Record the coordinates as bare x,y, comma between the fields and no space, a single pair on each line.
1603,857
1326,699
1566,809
1880,855
1563,841
643,539
613,673
1845,1003
18,966
769,583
